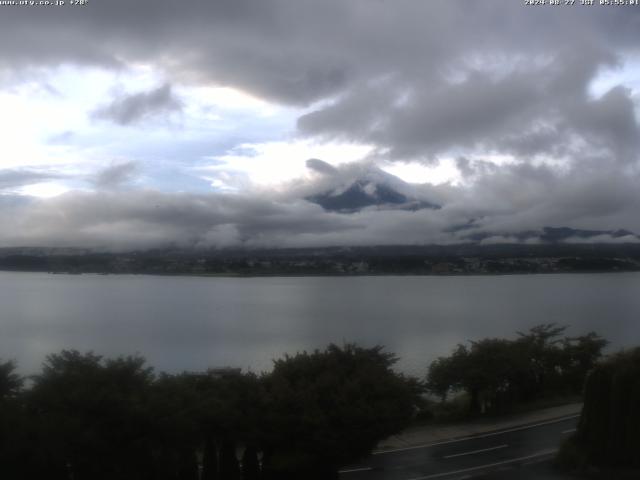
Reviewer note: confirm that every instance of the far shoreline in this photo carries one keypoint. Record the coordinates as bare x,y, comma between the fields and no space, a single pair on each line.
324,275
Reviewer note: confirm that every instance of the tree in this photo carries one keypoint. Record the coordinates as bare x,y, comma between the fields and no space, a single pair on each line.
328,408
14,437
541,346
580,356
250,464
488,371
491,370
176,407
92,416
210,413
210,459
446,373
499,373
609,429
10,382
229,465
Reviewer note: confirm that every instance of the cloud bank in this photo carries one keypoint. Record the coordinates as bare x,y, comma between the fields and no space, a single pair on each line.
136,107
514,98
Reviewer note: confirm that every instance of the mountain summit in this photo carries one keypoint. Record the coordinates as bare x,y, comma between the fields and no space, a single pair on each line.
374,188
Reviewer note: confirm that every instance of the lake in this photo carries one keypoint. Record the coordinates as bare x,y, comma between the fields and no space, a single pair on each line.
191,323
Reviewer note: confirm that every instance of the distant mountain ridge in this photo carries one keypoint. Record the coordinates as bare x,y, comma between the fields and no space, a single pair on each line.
555,235
455,259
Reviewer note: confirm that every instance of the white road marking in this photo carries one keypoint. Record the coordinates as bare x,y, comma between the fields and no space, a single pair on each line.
472,437
571,430
481,467
352,470
476,451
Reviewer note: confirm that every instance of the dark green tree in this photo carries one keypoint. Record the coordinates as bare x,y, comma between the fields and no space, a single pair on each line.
10,382
331,407
92,416
209,413
446,374
498,373
14,434
188,465
210,459
229,465
489,374
544,357
609,428
580,356
176,406
488,371
250,464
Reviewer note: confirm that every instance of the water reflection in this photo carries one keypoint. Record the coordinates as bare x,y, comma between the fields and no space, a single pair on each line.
192,323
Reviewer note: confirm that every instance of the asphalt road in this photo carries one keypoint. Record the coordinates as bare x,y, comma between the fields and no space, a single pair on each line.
466,457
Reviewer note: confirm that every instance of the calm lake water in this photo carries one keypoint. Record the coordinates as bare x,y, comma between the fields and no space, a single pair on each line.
193,323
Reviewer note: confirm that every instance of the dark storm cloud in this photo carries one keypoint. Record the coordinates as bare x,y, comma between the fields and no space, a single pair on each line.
414,78
320,166
430,120
136,107
417,80
15,178
499,204
528,112
301,51
115,175
522,197
611,122
142,219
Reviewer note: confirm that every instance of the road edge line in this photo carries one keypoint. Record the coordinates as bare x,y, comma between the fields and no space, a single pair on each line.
473,452
480,435
488,465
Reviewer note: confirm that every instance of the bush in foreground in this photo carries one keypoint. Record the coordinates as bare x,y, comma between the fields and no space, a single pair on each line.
89,418
497,374
608,433
331,407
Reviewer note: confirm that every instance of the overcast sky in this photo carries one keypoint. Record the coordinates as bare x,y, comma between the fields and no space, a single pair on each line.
133,124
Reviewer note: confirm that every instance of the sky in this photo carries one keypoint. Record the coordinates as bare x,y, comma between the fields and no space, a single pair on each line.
211,123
